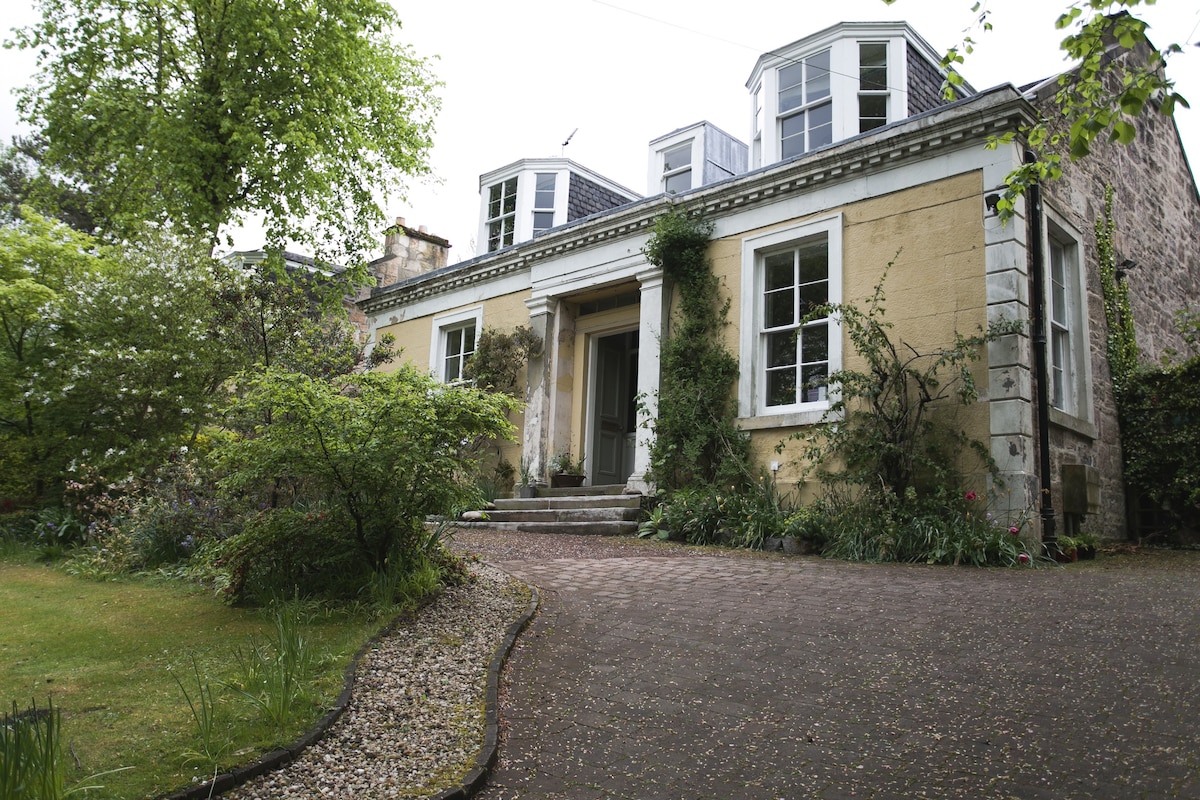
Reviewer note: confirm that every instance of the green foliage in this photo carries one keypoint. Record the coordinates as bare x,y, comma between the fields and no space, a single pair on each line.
742,516
377,452
1121,343
1118,78
273,674
944,528
1160,437
283,550
696,440
203,707
200,112
500,356
563,463
31,759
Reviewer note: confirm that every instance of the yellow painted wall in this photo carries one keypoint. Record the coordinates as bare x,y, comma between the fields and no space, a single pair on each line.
937,285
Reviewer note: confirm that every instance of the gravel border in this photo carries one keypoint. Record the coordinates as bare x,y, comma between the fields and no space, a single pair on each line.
421,672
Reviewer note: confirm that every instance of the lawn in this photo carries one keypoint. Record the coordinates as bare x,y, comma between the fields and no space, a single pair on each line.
105,653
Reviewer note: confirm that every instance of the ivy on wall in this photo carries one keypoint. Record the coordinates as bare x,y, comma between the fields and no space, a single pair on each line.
1121,342
697,442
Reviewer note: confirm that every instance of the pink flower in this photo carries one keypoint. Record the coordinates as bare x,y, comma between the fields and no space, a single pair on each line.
1014,530
1023,558
970,496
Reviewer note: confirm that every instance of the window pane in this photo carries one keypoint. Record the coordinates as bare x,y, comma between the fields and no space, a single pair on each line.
813,382
872,61
814,344
494,202
792,140
820,126
679,182
780,270
468,340
814,262
543,220
791,87
872,112
495,231
817,82
453,343
781,349
813,295
781,307
781,387
543,196
678,156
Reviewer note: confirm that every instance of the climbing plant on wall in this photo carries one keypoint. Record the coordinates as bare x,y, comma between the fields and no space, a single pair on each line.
1121,342
697,441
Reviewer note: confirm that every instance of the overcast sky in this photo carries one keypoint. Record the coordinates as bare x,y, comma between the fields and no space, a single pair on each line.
521,75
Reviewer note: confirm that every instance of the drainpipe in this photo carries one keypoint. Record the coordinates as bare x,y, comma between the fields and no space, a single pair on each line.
1037,270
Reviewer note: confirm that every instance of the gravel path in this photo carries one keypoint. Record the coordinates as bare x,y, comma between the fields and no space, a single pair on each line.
415,723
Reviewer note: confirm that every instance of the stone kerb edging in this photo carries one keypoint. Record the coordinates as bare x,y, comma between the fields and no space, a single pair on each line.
280,757
486,759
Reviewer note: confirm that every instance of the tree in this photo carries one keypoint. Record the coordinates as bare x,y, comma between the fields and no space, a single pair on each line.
109,357
1119,76
199,112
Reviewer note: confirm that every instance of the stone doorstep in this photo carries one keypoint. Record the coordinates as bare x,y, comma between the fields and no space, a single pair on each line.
569,501
606,514
602,528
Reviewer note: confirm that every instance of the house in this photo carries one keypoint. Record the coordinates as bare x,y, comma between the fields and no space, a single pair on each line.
853,156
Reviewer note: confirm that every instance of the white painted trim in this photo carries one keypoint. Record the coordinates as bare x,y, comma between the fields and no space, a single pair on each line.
444,322
1081,402
750,353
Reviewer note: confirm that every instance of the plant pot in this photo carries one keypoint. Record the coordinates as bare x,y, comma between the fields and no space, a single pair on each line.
1086,553
1065,558
564,481
772,544
526,491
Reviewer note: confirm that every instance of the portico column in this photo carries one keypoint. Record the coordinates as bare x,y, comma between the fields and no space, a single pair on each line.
538,386
650,333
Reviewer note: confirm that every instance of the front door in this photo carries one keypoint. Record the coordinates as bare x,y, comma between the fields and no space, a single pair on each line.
614,409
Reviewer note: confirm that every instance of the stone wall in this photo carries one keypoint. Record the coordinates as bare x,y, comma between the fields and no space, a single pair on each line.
1157,213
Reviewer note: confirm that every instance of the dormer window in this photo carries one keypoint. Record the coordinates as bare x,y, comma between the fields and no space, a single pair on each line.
805,105
677,168
872,85
844,81
502,213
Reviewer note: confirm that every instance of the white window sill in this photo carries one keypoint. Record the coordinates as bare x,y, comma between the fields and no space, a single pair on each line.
790,419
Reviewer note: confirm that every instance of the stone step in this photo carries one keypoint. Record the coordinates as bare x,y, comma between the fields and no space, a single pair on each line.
584,514
569,501
608,528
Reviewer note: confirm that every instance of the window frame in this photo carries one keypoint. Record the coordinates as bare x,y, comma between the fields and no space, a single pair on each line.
540,208
753,335
1068,341
883,93
444,325
684,169
506,220
803,111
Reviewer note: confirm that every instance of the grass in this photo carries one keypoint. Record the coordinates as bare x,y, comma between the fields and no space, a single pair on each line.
108,655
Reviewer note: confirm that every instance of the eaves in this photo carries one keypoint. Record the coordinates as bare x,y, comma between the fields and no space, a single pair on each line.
948,127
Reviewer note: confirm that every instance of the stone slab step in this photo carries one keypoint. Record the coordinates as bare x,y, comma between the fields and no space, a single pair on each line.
569,501
610,528
618,514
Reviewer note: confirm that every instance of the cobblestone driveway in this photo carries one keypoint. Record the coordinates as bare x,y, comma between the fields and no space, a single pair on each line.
732,677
